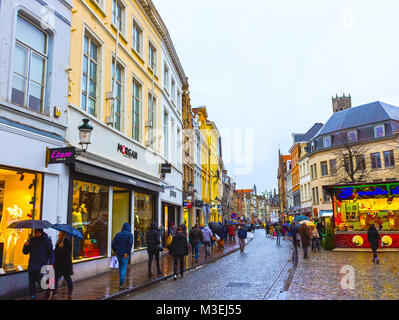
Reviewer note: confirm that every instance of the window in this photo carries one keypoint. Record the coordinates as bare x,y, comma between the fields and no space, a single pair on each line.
136,110
326,196
348,164
333,166
117,95
327,142
117,14
375,160
166,77
389,159
151,119
165,134
173,90
29,68
137,37
352,136
89,76
179,100
90,217
361,162
315,170
144,215
20,199
152,57
324,168
379,131
317,194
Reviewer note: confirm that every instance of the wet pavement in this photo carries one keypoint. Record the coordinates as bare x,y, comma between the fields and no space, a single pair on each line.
331,275
258,273
106,285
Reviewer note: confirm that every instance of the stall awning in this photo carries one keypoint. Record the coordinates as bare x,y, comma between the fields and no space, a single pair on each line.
114,176
326,213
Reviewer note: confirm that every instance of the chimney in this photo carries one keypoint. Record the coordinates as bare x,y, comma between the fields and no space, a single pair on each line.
341,103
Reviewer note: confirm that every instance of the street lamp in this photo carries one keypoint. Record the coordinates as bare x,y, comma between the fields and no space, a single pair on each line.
85,134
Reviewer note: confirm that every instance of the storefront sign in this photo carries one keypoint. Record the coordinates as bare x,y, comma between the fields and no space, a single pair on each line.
165,168
128,153
60,155
173,194
369,192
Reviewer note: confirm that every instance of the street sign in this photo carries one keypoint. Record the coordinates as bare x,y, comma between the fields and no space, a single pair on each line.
165,168
60,155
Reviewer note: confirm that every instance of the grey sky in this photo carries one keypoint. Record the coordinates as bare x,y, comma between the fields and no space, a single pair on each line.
273,65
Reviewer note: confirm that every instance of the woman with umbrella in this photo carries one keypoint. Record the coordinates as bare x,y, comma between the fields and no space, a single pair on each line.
63,262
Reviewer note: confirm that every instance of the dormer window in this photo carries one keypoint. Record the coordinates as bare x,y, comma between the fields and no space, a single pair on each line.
327,142
352,136
379,131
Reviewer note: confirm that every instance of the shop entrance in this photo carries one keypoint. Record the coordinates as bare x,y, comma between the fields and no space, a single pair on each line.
121,208
170,216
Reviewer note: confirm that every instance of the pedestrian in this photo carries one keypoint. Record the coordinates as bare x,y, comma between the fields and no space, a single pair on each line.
284,231
222,236
242,235
122,246
293,234
63,262
374,239
272,231
231,233
184,228
306,236
178,248
196,238
278,233
252,227
207,239
41,253
172,229
154,248
315,239
320,230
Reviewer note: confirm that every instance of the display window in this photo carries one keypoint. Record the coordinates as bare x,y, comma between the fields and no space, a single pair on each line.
90,217
20,199
144,215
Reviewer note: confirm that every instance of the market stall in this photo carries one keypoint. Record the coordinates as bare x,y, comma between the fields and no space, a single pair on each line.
357,206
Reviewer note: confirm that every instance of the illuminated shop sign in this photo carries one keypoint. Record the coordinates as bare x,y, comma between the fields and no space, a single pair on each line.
128,153
60,155
368,192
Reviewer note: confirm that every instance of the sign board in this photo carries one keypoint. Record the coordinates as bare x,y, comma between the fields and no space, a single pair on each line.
165,168
128,153
60,155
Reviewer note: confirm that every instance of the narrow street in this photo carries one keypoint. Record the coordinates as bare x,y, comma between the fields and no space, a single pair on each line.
257,274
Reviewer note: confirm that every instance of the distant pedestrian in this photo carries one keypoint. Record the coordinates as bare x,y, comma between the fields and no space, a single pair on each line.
184,227
196,238
122,246
207,240
320,230
284,231
232,233
172,229
252,227
154,248
293,235
315,239
242,235
63,262
272,231
41,253
178,248
278,233
306,237
374,239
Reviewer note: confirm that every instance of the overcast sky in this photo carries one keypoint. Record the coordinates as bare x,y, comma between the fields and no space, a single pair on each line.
272,66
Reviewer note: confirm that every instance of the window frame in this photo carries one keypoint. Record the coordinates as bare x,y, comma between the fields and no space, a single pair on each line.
328,138
375,130
372,163
140,101
391,158
137,25
152,63
348,136
324,164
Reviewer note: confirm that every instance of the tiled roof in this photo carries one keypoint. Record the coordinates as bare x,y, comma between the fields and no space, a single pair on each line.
311,132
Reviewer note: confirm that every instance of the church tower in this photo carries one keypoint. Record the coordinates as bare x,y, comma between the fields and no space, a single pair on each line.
341,103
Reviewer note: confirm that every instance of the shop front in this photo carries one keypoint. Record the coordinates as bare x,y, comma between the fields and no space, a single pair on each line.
171,216
357,206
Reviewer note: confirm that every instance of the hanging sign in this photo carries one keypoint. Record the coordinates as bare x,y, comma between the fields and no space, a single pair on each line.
165,168
60,155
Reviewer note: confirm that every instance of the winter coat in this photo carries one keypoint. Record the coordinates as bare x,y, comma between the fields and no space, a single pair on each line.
196,236
231,231
63,259
278,229
305,234
41,252
242,233
153,239
123,241
179,245
271,229
373,237
207,234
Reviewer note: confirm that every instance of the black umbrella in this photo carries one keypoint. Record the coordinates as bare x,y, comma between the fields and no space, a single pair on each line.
30,224
68,229
217,228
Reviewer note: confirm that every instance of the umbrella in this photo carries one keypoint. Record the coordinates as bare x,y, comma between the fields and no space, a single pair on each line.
300,218
232,222
217,228
30,224
297,226
68,229
308,222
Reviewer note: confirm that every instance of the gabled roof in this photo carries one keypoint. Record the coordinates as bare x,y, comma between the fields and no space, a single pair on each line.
311,132
373,112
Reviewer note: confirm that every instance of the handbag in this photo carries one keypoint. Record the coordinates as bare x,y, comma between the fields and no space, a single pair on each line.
114,264
213,238
169,241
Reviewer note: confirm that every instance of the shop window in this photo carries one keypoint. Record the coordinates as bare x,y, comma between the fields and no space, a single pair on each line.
144,215
20,199
120,209
90,216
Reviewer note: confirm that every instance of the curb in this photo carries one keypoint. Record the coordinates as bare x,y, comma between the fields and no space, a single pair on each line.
147,284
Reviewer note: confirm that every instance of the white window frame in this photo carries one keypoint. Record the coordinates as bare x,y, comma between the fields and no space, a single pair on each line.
122,5
137,25
166,78
348,136
140,101
153,67
328,138
166,133
375,130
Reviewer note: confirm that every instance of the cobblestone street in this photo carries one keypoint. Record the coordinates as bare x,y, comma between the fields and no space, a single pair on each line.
257,274
319,278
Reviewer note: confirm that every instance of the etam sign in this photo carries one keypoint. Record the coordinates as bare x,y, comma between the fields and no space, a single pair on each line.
60,155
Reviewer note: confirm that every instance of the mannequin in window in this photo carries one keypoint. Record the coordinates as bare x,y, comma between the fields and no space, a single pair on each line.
77,223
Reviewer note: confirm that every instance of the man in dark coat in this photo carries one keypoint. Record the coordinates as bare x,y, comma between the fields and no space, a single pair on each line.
306,236
41,253
242,235
320,229
374,239
178,248
122,246
196,239
153,247
63,262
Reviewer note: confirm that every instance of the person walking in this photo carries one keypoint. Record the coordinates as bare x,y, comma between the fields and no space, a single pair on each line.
172,229
41,253
242,235
153,248
315,239
178,248
272,231
196,239
122,246
306,236
207,239
294,240
231,232
278,231
374,239
320,230
63,262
